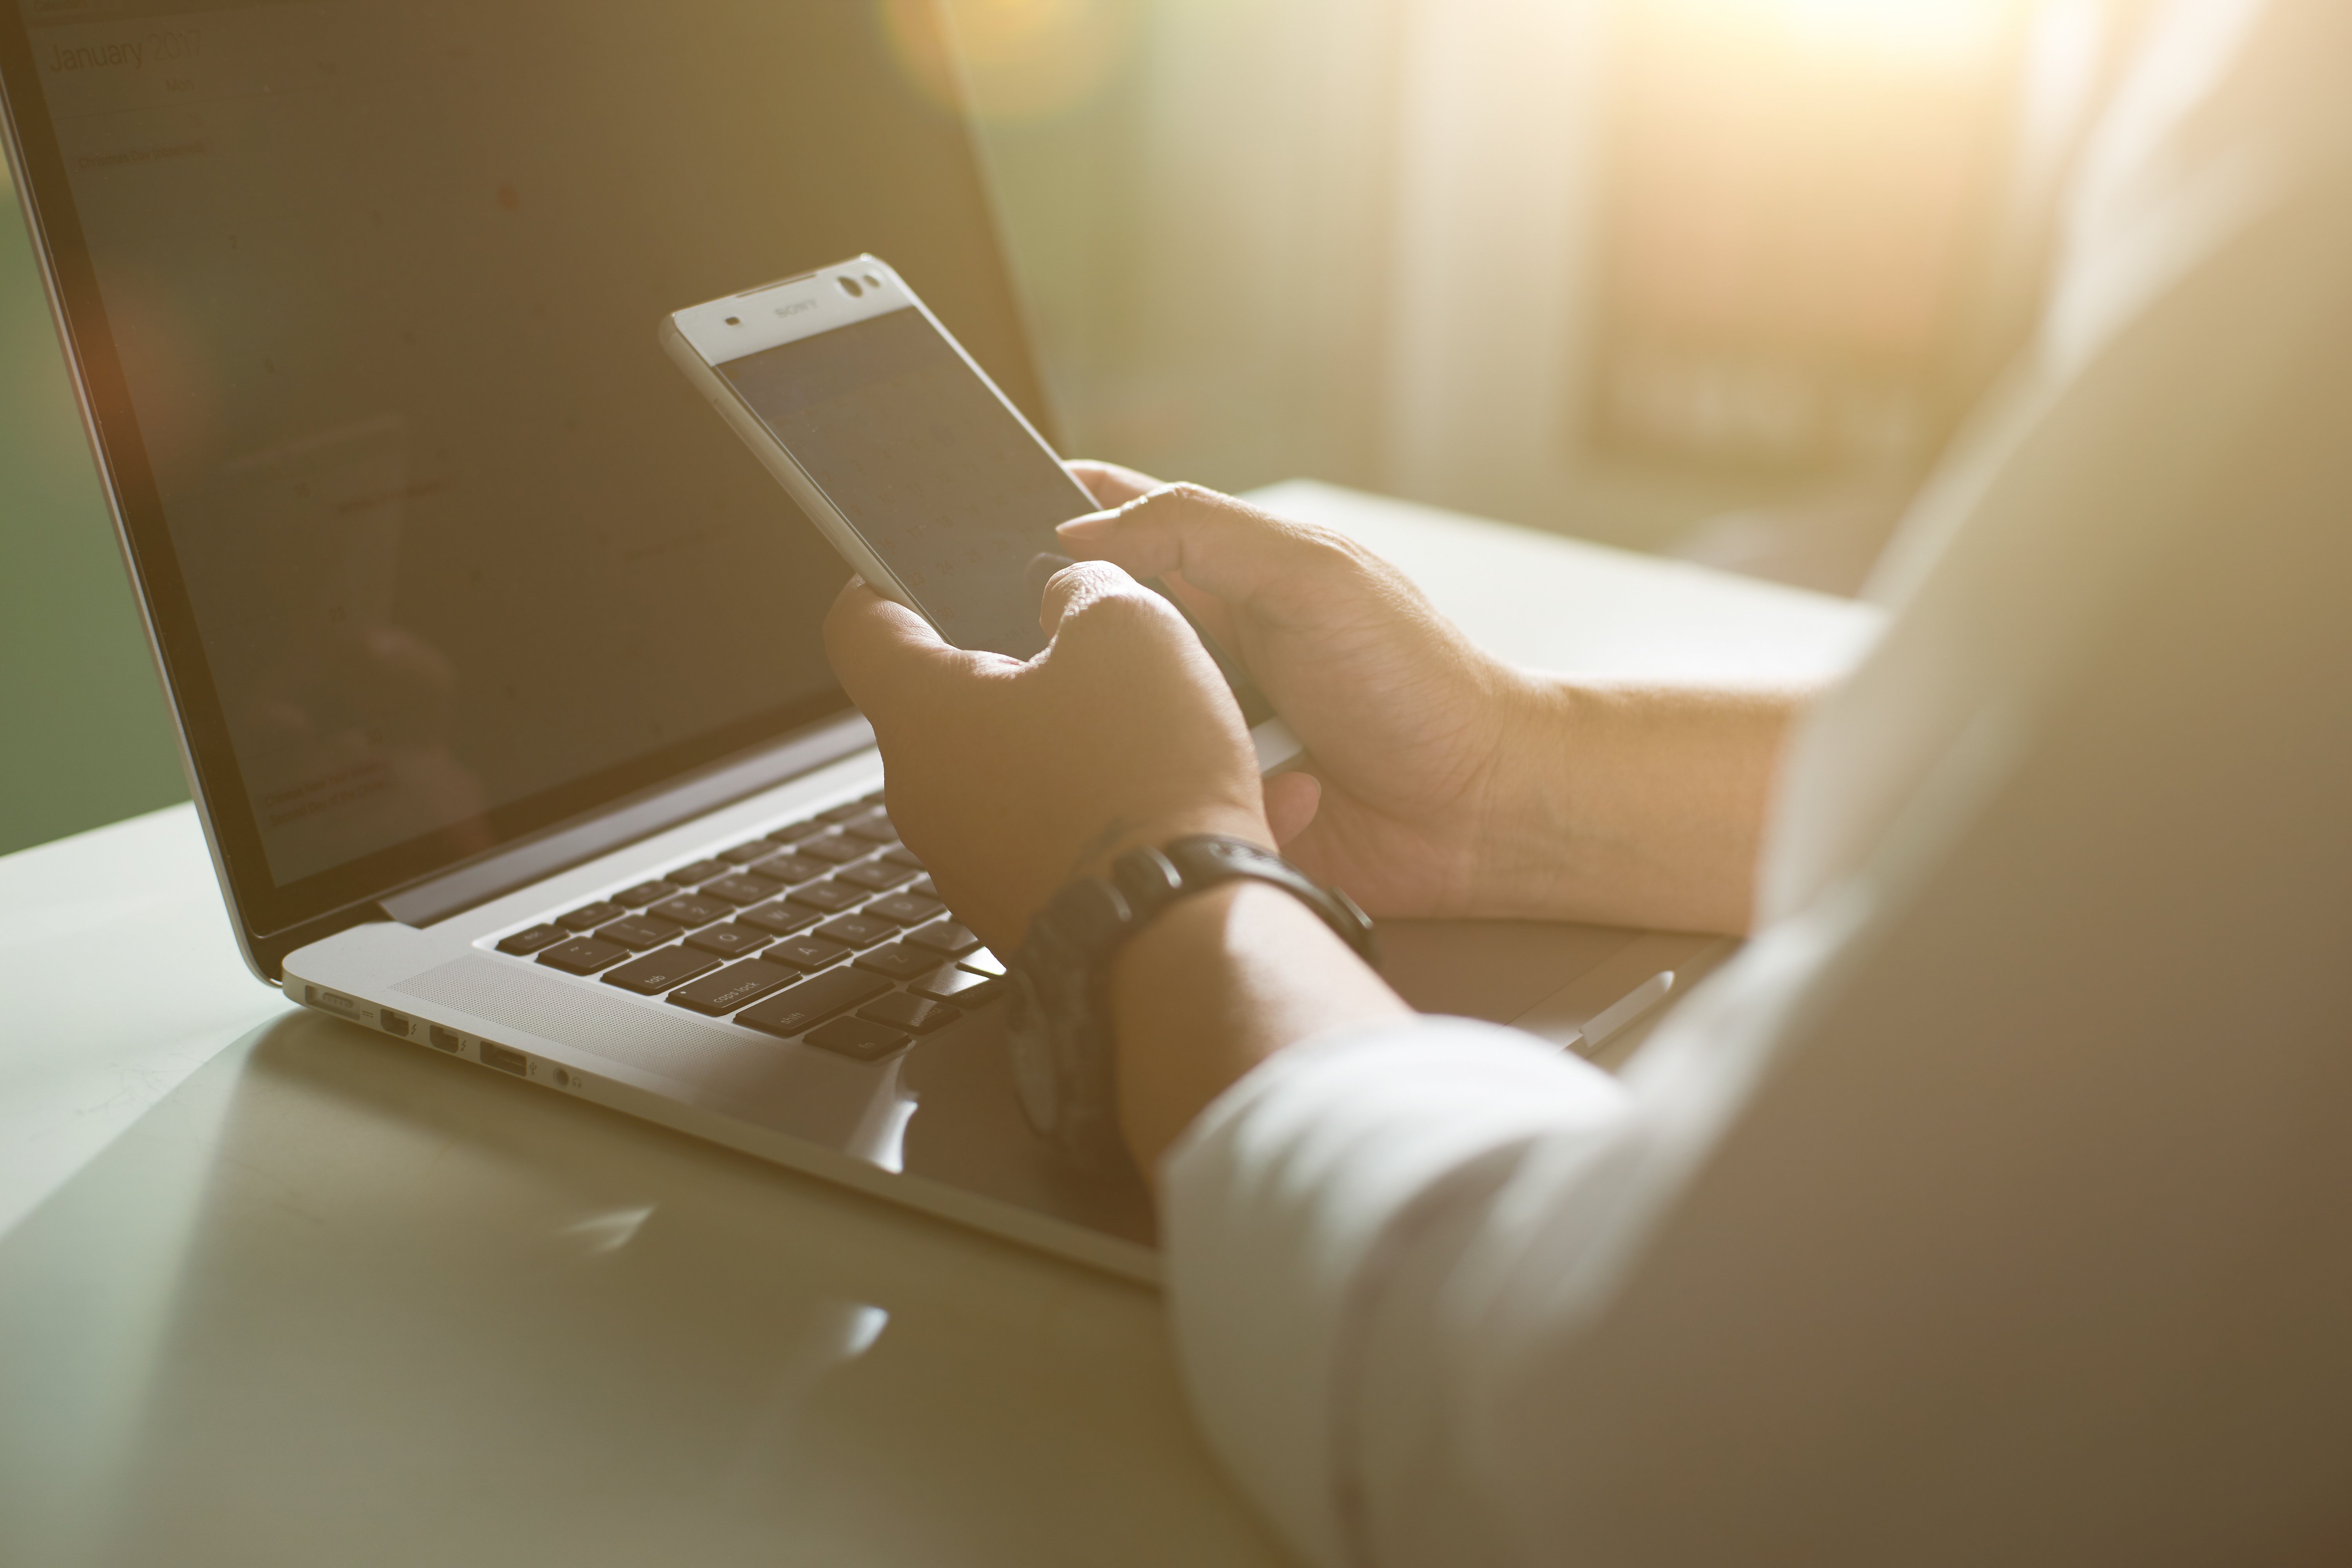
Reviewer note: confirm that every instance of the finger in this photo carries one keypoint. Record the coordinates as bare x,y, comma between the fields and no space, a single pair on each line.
1108,483
1081,587
885,654
1211,614
1040,570
1218,545
1103,621
1291,801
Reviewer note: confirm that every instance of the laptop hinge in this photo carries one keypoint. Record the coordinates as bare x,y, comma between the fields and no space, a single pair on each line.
519,865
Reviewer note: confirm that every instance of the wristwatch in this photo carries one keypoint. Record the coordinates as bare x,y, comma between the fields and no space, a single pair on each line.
1059,1023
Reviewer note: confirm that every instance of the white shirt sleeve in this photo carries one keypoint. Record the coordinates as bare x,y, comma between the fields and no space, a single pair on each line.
1988,1206
1307,1181
1329,1221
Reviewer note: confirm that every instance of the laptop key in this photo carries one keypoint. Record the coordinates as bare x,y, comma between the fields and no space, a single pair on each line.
856,930
813,1001
744,854
688,910
947,937
838,848
792,868
913,1014
739,889
737,985
846,811
645,893
793,832
868,1042
778,919
638,933
904,857
701,871
830,897
523,943
878,875
658,972
729,941
899,961
806,951
583,955
924,889
588,917
873,827
980,961
951,983
905,908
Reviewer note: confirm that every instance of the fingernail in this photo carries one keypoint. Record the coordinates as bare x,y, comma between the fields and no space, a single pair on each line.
1089,526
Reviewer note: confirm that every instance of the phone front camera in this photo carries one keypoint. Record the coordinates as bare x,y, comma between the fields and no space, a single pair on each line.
849,287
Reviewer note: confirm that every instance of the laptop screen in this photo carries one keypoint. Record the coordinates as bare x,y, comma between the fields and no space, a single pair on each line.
438,547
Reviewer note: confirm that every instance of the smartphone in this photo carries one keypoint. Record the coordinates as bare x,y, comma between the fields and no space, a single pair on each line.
924,476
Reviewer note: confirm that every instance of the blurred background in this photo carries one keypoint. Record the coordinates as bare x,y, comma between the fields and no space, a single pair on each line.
1718,278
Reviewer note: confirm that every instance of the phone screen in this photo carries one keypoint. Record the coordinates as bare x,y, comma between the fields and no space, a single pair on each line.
942,480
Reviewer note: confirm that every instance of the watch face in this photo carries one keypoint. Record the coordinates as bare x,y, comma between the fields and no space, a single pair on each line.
1029,1038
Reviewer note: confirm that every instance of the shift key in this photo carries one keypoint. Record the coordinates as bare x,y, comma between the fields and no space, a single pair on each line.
812,1002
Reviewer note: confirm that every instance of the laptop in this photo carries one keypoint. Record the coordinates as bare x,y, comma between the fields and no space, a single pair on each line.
495,658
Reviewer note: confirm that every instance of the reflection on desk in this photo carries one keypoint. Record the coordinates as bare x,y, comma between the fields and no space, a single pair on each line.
335,1300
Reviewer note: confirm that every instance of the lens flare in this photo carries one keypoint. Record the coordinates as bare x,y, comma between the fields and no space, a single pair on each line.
1019,59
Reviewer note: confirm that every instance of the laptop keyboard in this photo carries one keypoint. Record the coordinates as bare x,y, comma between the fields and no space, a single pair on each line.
824,931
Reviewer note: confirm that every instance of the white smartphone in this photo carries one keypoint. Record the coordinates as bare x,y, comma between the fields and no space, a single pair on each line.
910,461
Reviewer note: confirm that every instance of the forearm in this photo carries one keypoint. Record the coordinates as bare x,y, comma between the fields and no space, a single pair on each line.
1642,807
1216,985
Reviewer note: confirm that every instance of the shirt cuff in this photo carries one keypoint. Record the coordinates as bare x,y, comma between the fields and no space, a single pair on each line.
1277,1205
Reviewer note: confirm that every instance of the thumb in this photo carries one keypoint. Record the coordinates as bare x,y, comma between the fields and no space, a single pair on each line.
885,655
1087,592
1103,621
1223,546
1292,800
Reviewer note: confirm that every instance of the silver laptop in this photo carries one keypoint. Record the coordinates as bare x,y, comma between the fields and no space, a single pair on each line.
495,657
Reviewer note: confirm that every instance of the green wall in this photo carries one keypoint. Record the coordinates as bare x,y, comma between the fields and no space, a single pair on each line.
84,735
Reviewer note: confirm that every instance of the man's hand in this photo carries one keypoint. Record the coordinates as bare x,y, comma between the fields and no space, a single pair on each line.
1452,782
1404,719
1009,778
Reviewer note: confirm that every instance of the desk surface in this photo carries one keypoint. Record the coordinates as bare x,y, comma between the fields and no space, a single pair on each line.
274,1289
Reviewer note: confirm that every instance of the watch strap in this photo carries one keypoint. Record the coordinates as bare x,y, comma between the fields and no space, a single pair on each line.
1204,860
1062,1054
1090,917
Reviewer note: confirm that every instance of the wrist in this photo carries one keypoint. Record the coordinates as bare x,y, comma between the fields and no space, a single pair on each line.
1065,1018
1633,806
1523,813
1222,980
1158,828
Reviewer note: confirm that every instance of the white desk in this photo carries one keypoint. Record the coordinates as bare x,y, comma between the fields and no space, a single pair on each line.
275,1289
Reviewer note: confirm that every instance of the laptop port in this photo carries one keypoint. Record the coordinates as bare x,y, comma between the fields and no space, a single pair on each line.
394,1023
505,1060
442,1039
